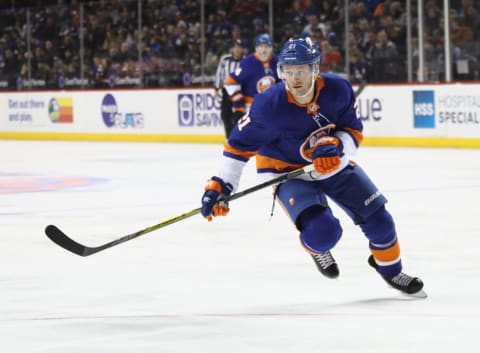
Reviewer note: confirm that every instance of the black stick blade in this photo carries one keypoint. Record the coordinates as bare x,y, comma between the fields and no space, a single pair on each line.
61,239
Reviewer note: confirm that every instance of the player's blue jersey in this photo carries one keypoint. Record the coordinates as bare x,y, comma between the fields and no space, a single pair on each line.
282,133
251,78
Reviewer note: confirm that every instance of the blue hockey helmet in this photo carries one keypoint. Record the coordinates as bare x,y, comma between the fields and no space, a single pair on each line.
263,38
299,51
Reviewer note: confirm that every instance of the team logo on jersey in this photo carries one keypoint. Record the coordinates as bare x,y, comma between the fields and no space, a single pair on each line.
312,108
307,148
264,83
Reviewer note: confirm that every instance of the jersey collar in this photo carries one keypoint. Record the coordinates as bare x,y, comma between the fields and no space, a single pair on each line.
313,106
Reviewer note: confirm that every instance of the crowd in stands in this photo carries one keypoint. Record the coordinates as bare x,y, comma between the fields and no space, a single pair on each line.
41,43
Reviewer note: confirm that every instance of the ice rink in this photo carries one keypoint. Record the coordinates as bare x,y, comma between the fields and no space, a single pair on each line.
241,284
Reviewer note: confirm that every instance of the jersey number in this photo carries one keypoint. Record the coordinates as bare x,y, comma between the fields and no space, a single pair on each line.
244,121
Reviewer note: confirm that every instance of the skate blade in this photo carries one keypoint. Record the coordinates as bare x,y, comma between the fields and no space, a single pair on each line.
420,294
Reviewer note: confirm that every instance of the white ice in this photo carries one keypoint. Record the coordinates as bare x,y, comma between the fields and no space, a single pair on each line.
238,284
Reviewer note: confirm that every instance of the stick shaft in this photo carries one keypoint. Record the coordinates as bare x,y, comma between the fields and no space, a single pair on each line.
61,239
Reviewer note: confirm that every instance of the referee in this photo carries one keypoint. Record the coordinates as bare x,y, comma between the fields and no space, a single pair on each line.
227,64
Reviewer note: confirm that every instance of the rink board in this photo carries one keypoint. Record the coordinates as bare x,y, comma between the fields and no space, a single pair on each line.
441,115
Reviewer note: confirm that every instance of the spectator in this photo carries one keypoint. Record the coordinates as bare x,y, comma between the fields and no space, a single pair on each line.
460,33
99,72
472,20
220,26
67,44
193,58
296,12
50,51
171,31
236,36
11,66
358,66
3,47
48,29
384,59
331,58
312,24
95,34
287,32
398,36
364,36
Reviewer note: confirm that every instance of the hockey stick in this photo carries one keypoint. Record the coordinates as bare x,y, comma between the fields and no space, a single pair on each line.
360,88
61,239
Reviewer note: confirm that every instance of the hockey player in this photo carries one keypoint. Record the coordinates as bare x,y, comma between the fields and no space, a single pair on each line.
310,118
256,72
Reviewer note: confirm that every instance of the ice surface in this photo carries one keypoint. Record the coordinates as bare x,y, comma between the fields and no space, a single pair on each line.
239,284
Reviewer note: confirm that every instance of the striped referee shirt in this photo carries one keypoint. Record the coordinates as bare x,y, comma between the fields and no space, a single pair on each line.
226,65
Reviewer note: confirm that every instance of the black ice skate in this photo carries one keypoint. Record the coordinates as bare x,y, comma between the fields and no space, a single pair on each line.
403,282
326,264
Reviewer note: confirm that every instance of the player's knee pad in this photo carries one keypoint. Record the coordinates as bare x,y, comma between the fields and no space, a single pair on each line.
319,229
379,228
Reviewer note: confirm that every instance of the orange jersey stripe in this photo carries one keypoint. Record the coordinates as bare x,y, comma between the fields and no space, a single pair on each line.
387,255
230,81
245,154
355,133
264,162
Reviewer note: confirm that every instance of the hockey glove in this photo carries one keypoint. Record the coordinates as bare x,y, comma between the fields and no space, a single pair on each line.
213,204
327,153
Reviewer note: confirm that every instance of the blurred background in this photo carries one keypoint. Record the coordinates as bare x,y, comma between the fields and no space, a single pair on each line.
61,44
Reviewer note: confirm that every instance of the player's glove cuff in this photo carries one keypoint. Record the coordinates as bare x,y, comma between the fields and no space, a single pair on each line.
213,203
327,153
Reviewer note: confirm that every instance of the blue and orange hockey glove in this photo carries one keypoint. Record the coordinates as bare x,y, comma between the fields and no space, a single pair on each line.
327,153
212,203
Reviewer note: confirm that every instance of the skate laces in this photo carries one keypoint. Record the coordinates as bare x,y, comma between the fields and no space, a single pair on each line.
402,279
325,260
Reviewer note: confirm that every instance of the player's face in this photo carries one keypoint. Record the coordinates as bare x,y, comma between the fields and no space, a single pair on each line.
263,51
298,77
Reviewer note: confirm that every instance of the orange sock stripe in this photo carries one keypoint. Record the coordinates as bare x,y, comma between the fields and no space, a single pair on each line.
387,255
